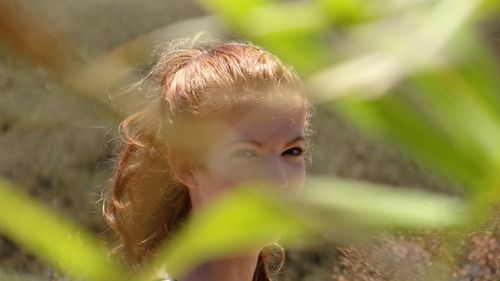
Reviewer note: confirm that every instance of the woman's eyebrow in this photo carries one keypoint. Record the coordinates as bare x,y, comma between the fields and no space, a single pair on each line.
296,139
256,143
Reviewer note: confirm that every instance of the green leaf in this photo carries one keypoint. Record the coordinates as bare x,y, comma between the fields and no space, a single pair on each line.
346,12
368,205
252,216
349,12
291,29
53,238
245,219
285,28
232,11
392,117
446,115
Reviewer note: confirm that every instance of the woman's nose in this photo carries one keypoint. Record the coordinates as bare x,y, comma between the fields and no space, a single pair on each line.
273,173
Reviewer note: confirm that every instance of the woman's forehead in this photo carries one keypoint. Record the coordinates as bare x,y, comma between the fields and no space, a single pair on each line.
263,123
259,124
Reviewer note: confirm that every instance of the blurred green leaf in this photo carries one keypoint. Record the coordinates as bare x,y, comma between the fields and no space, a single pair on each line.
289,29
242,220
385,58
447,114
251,216
374,205
393,118
232,11
345,12
52,238
351,12
285,28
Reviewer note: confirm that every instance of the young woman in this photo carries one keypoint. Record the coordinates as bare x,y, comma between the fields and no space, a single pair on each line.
225,113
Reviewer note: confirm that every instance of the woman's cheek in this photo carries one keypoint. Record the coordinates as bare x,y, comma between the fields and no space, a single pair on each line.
230,173
234,172
211,188
296,175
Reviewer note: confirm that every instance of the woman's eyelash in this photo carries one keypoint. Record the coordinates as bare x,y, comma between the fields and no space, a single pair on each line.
250,153
294,151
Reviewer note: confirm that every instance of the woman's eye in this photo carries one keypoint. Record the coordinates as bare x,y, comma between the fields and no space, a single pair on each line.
244,153
294,151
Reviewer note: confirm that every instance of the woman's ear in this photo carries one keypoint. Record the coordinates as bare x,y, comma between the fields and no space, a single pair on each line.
182,169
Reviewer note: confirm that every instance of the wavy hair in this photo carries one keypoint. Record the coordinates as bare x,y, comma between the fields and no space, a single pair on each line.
143,202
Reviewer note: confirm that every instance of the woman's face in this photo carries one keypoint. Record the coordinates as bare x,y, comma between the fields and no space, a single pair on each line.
263,144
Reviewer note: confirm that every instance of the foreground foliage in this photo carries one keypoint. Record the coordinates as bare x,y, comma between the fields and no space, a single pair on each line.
429,85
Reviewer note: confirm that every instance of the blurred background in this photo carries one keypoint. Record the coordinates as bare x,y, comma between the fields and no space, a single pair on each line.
66,68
